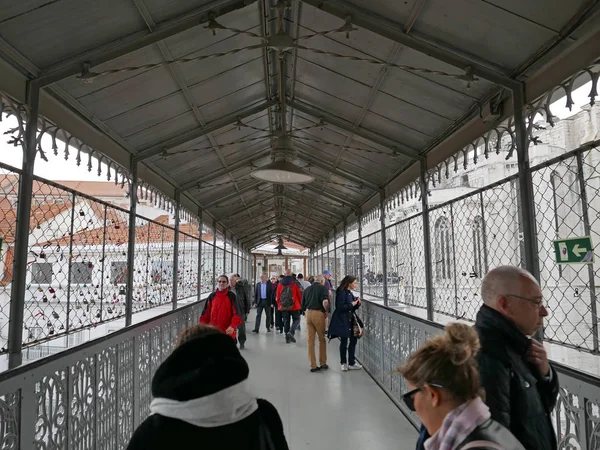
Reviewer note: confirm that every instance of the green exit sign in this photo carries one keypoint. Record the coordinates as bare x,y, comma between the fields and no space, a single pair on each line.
577,250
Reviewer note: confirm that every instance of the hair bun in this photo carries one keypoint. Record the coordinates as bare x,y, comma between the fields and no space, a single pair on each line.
462,343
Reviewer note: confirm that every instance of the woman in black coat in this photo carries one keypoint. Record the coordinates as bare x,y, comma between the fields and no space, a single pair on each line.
340,324
202,400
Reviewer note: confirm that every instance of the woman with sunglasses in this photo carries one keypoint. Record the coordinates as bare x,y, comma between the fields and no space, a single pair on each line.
220,309
444,390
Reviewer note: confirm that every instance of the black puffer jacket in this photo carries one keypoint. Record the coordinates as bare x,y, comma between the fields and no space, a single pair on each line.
492,431
518,397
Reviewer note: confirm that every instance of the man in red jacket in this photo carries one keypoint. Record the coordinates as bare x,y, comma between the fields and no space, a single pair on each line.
220,309
289,300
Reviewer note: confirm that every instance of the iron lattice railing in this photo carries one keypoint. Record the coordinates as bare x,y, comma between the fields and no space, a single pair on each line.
391,336
90,396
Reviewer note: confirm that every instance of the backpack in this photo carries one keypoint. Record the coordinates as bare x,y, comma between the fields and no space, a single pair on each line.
287,298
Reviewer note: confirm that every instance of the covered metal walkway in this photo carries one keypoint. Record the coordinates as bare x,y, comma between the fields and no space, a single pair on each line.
414,144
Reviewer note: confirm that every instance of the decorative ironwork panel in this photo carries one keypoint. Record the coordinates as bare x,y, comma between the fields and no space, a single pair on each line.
106,399
52,411
81,412
126,363
10,406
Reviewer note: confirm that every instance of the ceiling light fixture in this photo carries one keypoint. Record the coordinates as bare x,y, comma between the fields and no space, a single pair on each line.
282,171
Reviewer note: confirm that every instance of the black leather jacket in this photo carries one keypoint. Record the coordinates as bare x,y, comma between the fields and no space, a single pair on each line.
518,397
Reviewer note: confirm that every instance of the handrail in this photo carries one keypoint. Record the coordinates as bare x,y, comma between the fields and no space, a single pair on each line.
90,345
391,335
93,395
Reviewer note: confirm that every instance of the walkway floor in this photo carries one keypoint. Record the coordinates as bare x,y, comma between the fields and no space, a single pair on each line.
324,410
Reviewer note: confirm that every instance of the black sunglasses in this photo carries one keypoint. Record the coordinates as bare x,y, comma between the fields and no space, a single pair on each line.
409,396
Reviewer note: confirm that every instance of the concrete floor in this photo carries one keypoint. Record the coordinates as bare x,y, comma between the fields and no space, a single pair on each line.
324,410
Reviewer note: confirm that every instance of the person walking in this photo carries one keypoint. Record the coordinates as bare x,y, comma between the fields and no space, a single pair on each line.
315,301
305,284
220,309
202,398
444,391
289,299
240,306
263,295
341,323
521,385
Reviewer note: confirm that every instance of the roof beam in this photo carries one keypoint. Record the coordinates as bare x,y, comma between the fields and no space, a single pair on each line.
233,195
248,236
331,197
348,127
226,170
395,32
136,41
316,207
203,131
249,206
306,157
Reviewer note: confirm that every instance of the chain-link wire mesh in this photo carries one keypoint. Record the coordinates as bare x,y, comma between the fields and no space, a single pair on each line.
187,269
406,263
207,268
373,265
9,187
566,206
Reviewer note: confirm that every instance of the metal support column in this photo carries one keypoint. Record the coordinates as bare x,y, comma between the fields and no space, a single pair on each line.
17,298
426,239
360,252
133,191
199,254
527,213
345,249
529,242
214,267
383,246
225,252
588,232
176,249
335,260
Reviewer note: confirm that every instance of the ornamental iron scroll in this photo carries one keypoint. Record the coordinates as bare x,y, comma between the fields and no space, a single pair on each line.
10,107
90,401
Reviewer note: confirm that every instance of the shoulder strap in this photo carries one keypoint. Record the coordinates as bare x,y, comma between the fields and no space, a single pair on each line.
483,444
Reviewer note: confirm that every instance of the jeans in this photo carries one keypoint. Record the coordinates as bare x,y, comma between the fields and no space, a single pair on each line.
315,323
263,305
276,316
350,349
295,317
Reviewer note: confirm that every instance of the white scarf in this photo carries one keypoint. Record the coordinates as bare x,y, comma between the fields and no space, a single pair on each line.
224,407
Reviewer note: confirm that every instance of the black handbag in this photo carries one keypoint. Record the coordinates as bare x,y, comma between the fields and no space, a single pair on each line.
357,326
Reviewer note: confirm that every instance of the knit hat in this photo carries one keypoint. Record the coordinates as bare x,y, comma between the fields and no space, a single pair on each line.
200,367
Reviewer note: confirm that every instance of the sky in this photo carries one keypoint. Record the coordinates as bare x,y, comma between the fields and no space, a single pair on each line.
58,169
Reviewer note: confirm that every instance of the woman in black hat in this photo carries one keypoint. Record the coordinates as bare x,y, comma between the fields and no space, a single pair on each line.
202,400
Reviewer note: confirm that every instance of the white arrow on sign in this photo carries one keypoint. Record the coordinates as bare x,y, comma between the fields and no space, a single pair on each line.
577,250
